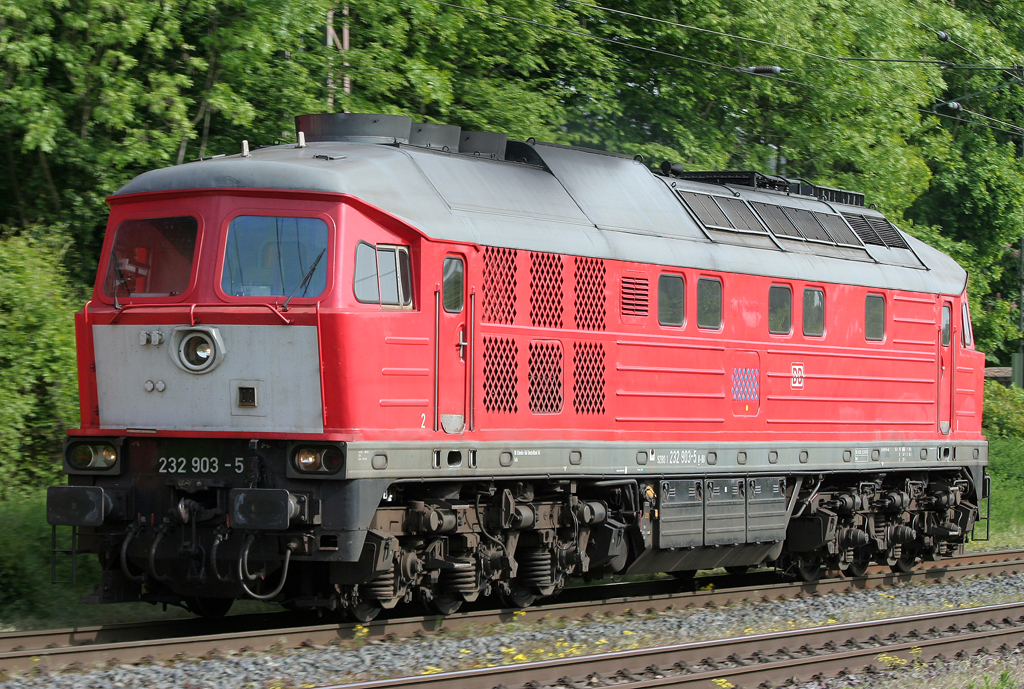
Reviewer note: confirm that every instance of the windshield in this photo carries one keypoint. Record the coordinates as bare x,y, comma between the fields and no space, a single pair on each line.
151,257
269,256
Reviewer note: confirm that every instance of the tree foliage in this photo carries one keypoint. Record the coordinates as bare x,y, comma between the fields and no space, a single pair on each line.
96,92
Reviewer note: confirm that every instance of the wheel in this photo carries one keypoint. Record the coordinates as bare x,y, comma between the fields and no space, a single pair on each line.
808,571
857,568
210,607
445,604
737,570
365,611
517,598
904,564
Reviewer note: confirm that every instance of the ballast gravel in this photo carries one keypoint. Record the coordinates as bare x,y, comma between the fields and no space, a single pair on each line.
368,659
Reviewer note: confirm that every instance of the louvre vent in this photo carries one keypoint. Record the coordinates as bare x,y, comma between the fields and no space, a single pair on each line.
719,212
501,375
634,296
808,225
590,293
740,214
545,377
839,230
588,378
499,291
889,234
863,229
775,218
546,290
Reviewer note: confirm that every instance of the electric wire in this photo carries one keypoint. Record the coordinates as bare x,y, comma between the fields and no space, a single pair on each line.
1018,130
812,54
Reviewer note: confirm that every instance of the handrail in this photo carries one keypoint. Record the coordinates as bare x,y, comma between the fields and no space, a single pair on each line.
192,309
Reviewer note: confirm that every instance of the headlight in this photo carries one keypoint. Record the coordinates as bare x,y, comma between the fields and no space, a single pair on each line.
85,456
324,460
197,351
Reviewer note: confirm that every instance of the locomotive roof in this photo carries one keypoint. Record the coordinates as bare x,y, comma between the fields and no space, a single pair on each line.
578,202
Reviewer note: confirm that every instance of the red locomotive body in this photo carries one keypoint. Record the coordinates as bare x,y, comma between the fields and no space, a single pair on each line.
413,372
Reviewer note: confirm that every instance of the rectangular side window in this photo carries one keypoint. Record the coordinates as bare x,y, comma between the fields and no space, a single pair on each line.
947,317
393,287
780,310
670,300
814,312
451,284
709,303
366,274
874,317
968,336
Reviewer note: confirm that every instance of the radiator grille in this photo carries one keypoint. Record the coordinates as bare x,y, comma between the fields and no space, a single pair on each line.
545,377
546,290
588,378
501,375
590,294
499,290
634,296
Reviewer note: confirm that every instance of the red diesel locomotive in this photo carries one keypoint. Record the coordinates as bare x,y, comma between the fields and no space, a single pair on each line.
400,361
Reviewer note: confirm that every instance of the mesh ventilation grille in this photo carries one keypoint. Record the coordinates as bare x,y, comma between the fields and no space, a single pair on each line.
546,290
501,375
499,291
588,374
838,229
590,293
634,296
807,224
776,219
545,377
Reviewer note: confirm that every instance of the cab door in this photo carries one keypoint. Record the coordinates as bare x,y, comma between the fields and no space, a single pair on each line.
946,369
452,345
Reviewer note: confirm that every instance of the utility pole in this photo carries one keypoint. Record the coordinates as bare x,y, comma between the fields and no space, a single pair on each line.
331,38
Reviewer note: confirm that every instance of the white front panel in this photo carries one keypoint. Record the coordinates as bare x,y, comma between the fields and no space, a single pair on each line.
281,362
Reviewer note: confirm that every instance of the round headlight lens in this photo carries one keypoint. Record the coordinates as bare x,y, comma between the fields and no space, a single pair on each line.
332,459
197,351
307,460
81,456
104,457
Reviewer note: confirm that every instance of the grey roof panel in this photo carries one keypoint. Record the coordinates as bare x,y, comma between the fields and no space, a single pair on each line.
587,205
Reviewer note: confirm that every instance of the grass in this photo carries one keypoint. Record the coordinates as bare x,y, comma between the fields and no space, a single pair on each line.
29,601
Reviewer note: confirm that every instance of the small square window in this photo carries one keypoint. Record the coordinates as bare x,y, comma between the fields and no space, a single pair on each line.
671,300
780,310
874,317
709,303
814,312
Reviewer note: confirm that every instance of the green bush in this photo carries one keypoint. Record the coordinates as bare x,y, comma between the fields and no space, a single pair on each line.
1004,410
38,375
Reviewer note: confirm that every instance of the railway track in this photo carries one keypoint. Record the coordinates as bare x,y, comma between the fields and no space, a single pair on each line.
757,660
56,649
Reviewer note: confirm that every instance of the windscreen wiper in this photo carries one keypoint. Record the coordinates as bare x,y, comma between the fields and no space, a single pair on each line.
120,279
305,280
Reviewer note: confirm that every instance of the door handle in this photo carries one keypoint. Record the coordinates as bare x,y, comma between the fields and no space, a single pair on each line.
462,344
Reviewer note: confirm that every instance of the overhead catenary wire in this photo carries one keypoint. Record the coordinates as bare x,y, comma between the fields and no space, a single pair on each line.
843,60
1017,131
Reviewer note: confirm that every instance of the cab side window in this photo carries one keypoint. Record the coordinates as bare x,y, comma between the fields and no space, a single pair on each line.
383,275
965,330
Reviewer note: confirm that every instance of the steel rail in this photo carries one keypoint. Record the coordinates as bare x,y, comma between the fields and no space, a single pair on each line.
749,659
125,643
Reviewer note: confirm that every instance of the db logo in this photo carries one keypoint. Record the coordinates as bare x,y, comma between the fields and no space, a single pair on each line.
796,376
